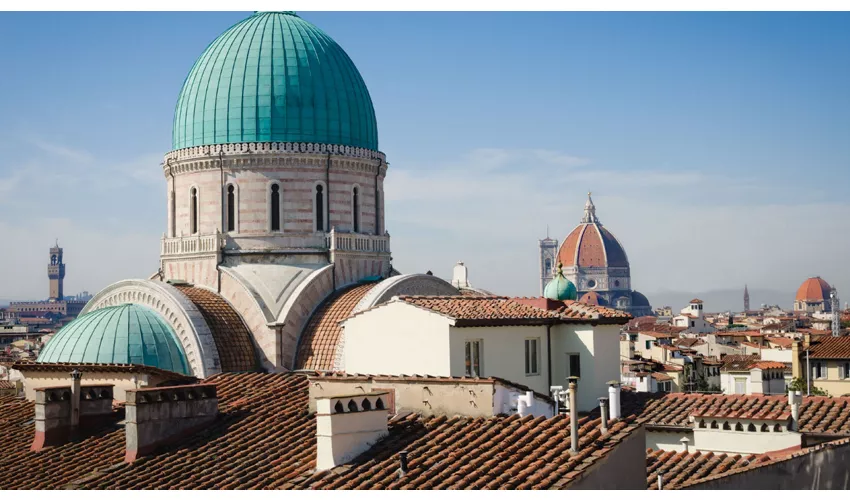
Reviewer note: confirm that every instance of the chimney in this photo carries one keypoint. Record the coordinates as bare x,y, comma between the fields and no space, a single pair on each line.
525,404
794,399
58,418
603,414
159,415
402,463
346,426
614,397
685,441
573,415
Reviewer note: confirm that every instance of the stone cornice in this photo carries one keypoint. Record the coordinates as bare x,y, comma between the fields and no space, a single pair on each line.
271,155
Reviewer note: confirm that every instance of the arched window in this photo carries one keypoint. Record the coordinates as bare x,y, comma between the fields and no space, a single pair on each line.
193,210
751,428
548,267
778,428
726,426
702,424
765,428
320,207
274,207
231,207
739,427
355,209
714,424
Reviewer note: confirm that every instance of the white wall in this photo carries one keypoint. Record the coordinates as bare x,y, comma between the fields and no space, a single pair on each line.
395,339
667,441
782,356
721,441
503,353
599,350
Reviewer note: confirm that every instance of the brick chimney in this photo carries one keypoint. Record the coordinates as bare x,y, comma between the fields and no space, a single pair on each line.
62,412
573,388
346,426
158,415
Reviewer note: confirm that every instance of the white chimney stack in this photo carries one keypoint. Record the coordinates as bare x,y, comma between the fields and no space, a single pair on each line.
573,387
685,441
460,276
614,399
795,399
346,426
525,404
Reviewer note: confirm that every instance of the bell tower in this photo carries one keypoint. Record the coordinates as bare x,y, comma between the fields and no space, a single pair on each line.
56,273
548,259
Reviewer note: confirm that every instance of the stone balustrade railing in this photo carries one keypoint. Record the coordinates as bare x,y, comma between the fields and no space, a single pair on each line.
355,242
188,245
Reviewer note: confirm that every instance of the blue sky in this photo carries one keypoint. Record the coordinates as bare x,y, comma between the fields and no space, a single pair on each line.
717,145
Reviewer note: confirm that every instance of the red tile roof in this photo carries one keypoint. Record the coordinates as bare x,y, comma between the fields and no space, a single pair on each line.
676,468
475,453
5,384
233,340
319,341
661,377
497,310
689,342
783,342
769,365
264,438
813,290
830,348
818,414
738,362
592,245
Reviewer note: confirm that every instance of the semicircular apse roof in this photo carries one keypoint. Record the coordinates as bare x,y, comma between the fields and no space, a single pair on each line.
124,334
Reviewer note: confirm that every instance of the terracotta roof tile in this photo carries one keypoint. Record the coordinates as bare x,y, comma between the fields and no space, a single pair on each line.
769,365
319,342
264,438
676,468
738,362
813,290
232,338
784,342
818,414
831,348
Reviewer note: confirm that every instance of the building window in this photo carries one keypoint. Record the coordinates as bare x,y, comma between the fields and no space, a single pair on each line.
319,207
648,345
355,209
573,365
274,207
819,369
765,428
193,210
693,323
740,386
473,358
231,207
726,426
751,428
531,356
844,369
547,268
714,424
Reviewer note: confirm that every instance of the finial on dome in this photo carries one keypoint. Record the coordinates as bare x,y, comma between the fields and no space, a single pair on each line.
560,288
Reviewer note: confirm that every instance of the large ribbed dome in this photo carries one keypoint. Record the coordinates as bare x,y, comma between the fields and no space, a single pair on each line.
274,77
126,334
591,245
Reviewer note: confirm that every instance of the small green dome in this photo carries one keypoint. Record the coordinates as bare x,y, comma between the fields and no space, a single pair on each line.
129,334
274,77
560,288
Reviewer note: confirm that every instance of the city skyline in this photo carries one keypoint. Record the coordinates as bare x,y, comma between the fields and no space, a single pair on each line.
716,162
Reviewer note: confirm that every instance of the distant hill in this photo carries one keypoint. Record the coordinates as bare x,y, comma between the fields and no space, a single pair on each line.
722,300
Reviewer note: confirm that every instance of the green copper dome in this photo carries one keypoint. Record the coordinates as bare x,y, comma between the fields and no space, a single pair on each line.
274,77
560,288
128,333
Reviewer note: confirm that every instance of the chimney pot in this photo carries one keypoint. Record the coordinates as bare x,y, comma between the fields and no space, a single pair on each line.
685,441
614,397
603,414
402,463
573,387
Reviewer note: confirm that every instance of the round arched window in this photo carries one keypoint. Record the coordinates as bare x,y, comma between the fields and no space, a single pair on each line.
591,283
616,282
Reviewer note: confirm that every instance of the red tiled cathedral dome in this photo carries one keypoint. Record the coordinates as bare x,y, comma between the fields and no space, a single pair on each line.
813,290
591,245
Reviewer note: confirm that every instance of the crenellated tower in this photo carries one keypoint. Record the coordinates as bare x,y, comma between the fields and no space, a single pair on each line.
56,273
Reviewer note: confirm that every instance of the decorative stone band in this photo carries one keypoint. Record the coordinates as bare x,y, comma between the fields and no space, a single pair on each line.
273,154
357,243
194,245
176,309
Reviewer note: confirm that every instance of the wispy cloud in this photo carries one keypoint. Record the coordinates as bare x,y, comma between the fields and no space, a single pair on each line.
62,151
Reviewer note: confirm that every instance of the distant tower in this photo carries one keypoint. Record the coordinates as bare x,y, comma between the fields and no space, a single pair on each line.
56,272
548,257
836,313
746,299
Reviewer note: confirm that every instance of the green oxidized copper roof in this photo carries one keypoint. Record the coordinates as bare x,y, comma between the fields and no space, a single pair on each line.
128,333
560,288
274,77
